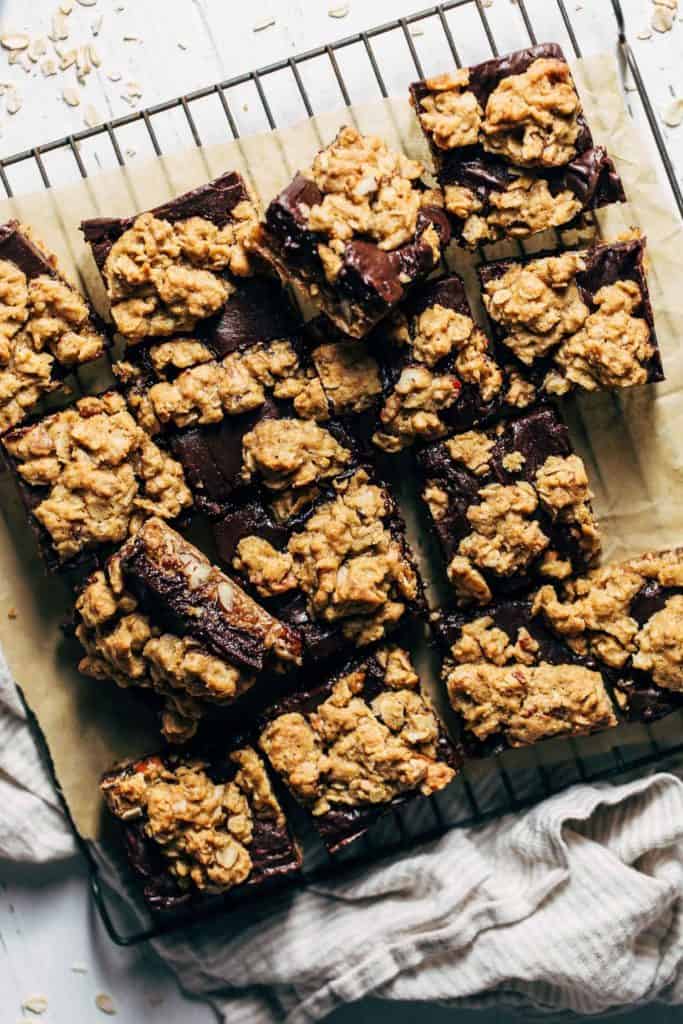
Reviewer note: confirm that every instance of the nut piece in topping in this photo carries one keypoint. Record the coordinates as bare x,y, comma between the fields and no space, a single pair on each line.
207,820
97,474
362,740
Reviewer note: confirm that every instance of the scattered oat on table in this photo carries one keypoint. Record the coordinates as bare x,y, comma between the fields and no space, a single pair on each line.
91,117
339,12
644,34
97,24
105,1003
35,1004
263,24
79,968
87,3
14,40
12,101
71,97
673,115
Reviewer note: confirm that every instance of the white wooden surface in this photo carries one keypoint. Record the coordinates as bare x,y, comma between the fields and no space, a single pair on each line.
47,923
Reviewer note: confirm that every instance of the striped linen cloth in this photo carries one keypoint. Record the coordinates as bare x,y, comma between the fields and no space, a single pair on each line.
575,904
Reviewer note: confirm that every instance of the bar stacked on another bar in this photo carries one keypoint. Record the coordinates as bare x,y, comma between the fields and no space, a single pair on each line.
162,617
510,505
89,475
512,149
425,370
575,320
356,230
171,269
47,327
330,558
570,658
197,827
362,741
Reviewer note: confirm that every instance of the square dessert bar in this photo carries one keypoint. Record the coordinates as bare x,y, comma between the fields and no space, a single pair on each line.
356,230
197,827
360,743
168,270
208,395
47,326
89,475
512,149
573,657
577,320
331,559
424,370
513,681
510,505
160,616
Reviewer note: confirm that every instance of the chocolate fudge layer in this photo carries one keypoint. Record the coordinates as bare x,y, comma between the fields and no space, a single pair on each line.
89,476
169,269
578,320
513,152
161,617
212,394
196,827
357,229
514,682
46,325
510,505
425,370
365,740
331,560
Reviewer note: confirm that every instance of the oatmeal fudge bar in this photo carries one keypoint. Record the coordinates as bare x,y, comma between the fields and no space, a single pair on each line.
89,476
512,149
364,741
510,505
47,326
424,370
197,827
170,269
356,230
331,560
628,618
213,395
160,616
513,681
577,320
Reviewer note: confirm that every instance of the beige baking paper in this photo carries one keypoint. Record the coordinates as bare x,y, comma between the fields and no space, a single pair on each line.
633,442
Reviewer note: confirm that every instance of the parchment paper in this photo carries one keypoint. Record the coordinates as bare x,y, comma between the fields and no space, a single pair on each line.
632,442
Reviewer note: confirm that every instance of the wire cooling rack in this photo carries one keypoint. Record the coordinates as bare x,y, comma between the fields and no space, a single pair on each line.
390,57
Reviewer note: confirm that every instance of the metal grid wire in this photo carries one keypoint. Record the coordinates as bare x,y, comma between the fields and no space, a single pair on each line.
512,780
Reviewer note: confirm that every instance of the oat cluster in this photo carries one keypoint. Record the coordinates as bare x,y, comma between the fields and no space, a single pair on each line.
352,750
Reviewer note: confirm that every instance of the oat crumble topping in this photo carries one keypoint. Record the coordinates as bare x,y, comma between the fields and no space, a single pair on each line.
412,409
473,449
367,190
203,828
349,376
593,612
102,473
351,751
450,113
345,559
529,703
164,277
562,487
42,320
505,537
207,390
523,208
482,641
288,453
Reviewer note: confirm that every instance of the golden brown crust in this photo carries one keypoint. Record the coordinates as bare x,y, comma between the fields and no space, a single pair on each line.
103,474
203,828
351,751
